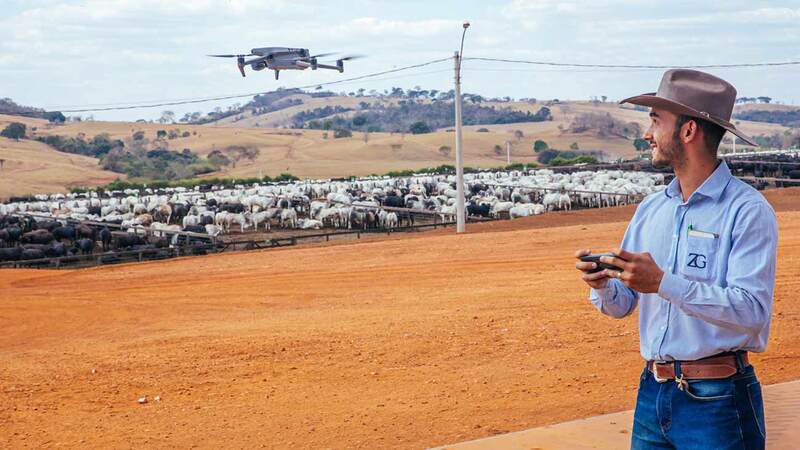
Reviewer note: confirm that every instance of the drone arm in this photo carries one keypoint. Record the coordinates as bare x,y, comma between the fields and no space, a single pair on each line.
326,66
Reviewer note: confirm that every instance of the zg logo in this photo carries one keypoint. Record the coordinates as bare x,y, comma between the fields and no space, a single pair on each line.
697,261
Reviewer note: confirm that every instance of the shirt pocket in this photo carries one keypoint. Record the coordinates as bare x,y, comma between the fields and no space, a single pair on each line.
699,257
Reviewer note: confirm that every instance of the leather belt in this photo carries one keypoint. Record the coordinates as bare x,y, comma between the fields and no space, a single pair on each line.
711,368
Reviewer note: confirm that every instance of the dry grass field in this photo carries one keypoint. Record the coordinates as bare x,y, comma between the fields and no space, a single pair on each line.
405,342
32,168
307,153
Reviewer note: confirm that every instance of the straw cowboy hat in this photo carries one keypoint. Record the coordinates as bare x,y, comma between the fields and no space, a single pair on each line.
695,94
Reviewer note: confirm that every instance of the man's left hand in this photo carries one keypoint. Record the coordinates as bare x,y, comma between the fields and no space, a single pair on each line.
639,271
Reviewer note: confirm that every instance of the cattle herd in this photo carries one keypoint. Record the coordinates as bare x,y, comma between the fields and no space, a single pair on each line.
49,226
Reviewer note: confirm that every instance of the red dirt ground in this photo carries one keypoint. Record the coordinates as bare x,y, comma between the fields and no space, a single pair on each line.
405,342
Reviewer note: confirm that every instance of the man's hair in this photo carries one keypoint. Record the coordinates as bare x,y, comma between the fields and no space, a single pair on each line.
712,133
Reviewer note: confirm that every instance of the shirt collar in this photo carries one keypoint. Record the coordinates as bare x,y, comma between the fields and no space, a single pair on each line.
712,187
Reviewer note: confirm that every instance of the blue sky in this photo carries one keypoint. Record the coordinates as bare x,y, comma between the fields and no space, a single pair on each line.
75,53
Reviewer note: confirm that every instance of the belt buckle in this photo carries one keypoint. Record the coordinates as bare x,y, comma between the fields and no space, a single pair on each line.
656,364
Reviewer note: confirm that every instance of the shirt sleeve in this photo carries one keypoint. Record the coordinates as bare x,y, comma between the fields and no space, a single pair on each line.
616,299
745,302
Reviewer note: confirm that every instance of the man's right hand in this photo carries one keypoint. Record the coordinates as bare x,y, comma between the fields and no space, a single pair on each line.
597,280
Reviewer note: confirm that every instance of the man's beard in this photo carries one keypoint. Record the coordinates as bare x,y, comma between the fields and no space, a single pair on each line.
671,154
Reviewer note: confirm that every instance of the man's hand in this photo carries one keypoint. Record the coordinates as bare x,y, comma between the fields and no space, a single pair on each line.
639,271
597,280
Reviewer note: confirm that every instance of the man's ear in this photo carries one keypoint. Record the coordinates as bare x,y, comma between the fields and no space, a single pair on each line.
690,131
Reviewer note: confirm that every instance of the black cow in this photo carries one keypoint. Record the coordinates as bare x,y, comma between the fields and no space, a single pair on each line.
478,210
10,235
477,188
10,254
37,237
394,201
55,250
195,229
206,220
105,238
212,202
85,231
48,225
85,245
235,208
31,253
127,240
179,211
64,232
95,210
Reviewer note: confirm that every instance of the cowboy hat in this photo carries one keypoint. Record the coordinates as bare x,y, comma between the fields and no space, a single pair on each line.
695,94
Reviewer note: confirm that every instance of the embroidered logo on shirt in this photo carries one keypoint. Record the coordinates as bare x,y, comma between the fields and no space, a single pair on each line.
697,261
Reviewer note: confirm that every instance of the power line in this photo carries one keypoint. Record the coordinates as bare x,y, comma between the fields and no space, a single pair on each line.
634,66
252,94
624,67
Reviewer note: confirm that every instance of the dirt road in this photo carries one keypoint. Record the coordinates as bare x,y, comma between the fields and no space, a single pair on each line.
400,343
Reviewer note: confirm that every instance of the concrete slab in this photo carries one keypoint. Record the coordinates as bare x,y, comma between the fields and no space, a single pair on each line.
613,431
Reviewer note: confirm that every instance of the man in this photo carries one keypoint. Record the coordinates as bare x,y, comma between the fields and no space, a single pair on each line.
699,261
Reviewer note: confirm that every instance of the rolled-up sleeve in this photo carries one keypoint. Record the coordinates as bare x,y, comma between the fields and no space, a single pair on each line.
615,300
745,302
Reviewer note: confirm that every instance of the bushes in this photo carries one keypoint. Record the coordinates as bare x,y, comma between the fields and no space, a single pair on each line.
564,158
342,133
14,130
419,127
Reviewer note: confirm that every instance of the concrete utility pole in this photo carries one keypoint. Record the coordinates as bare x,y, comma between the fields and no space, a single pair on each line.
508,152
460,207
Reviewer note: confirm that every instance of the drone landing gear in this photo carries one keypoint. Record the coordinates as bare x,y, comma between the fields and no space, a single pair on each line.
276,74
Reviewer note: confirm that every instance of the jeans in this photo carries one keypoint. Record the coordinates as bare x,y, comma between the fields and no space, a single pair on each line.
709,414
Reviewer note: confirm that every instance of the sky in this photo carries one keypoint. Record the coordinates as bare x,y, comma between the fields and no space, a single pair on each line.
59,54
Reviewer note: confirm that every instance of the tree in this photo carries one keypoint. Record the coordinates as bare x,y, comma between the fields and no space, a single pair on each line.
604,98
359,121
161,134
55,117
218,158
518,134
540,145
167,117
138,135
419,128
342,133
238,152
764,99
14,130
445,151
498,150
573,146
641,144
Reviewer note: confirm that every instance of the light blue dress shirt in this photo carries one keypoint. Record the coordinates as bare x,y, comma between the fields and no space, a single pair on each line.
718,254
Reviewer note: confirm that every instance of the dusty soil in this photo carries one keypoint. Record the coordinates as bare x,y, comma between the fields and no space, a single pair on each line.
405,342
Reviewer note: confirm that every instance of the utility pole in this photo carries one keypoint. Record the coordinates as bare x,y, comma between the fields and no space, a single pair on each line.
508,153
460,206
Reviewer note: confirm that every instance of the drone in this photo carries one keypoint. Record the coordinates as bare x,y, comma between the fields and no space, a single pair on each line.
284,58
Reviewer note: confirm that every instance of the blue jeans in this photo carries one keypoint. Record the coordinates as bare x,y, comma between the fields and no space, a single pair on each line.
709,415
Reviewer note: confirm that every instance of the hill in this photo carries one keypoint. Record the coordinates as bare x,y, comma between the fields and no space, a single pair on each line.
32,168
316,153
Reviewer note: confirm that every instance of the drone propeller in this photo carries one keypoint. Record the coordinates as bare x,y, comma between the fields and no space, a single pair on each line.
230,56
350,57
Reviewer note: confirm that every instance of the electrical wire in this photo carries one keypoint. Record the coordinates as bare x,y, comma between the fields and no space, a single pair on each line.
374,75
252,94
633,66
